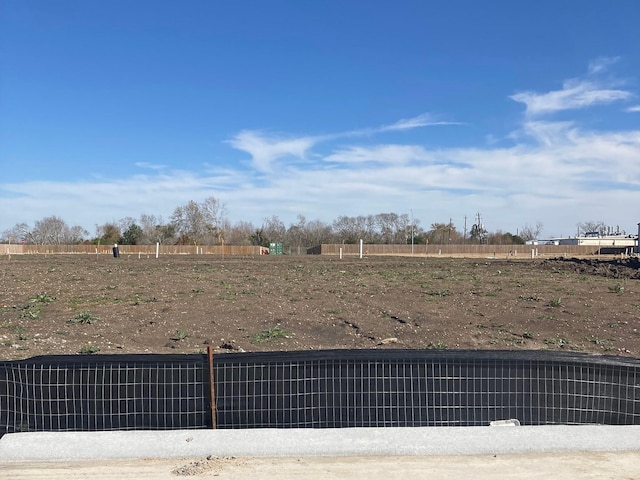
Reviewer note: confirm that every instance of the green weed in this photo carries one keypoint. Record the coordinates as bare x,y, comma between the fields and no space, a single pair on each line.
42,298
84,318
529,298
268,335
30,312
441,293
598,341
617,289
89,350
556,302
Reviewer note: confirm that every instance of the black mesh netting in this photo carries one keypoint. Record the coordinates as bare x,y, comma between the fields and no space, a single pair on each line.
317,389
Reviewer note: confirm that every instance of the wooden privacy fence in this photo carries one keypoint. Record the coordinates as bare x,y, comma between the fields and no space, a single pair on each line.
7,249
500,251
513,251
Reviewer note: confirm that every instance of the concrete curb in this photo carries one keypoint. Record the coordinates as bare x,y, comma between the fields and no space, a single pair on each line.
54,446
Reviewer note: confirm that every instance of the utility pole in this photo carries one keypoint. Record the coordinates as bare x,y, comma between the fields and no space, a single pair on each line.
464,236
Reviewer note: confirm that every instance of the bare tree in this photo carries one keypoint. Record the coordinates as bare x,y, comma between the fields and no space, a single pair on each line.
107,233
199,222
591,226
317,232
154,230
239,233
76,234
529,232
20,232
345,229
49,231
380,228
307,234
273,230
391,227
54,231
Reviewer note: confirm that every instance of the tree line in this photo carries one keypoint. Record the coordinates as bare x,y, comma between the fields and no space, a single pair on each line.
206,223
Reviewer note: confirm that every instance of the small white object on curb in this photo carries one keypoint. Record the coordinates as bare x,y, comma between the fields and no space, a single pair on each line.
514,422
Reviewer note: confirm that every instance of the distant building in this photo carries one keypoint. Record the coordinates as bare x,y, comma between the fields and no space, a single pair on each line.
595,239
614,243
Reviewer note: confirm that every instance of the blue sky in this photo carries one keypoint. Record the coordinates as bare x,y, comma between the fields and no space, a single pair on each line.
522,111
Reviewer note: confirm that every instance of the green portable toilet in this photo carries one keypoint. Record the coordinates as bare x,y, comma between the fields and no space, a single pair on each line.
276,248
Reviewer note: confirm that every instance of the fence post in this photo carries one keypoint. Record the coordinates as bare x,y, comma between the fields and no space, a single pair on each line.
214,423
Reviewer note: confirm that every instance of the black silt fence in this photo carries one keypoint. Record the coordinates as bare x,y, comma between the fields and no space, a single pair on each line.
106,392
321,389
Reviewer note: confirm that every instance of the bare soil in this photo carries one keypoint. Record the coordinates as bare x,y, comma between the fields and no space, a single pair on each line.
68,304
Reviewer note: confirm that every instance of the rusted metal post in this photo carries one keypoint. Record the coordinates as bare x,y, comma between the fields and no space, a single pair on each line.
213,389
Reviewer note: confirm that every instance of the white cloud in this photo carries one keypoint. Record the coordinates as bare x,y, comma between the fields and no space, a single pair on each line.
150,166
419,121
423,120
576,93
635,108
265,150
601,64
380,154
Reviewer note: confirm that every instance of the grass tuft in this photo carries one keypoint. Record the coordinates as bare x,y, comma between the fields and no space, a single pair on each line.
268,335
84,318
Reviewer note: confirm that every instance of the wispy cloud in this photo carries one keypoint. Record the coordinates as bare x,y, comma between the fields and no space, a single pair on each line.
423,120
635,108
576,93
601,64
379,154
264,149
150,166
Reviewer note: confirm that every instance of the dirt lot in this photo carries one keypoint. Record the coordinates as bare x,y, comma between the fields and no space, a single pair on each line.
181,304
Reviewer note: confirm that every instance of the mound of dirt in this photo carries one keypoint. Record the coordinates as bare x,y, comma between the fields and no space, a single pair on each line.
618,268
